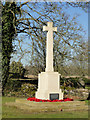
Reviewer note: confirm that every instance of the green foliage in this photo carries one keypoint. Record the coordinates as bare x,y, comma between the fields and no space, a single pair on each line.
87,81
28,89
74,82
16,88
17,70
67,88
12,86
9,12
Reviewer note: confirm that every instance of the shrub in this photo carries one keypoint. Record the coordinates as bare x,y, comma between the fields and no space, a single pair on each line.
28,89
17,70
16,88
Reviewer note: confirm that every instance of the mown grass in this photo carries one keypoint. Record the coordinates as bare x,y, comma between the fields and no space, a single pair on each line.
14,112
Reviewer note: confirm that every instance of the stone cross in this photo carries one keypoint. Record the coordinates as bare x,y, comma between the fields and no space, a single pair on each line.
49,46
49,81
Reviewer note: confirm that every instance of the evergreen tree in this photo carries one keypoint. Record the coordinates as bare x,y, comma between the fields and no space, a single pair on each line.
17,70
9,12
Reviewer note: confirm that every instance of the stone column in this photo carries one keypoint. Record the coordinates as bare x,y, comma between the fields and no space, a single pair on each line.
49,46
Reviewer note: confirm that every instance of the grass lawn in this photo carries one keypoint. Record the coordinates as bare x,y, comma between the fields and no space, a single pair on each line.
15,112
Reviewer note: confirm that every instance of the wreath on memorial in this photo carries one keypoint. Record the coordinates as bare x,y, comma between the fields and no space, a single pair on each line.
41,100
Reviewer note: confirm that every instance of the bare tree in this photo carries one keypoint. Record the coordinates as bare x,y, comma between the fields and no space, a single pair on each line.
67,41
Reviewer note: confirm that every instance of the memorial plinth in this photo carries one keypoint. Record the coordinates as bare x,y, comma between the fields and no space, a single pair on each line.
49,81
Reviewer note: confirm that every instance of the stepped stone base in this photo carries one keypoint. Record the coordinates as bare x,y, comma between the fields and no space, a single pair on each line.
49,86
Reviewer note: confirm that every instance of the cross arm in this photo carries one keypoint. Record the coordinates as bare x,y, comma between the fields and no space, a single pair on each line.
55,29
45,28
